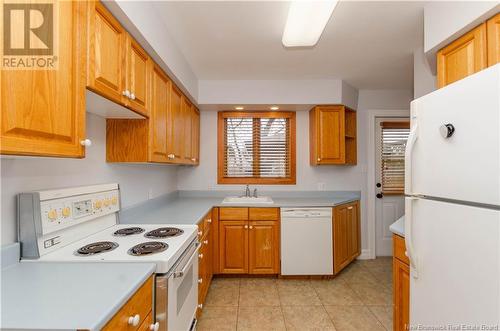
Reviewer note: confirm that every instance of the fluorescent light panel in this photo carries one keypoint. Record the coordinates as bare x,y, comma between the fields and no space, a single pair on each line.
306,22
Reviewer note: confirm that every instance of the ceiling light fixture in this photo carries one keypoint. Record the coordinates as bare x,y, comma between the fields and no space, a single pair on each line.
274,108
306,21
239,108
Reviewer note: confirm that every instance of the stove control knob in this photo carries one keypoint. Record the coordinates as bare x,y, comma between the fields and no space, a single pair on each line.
114,200
66,211
134,320
106,202
155,327
97,204
52,214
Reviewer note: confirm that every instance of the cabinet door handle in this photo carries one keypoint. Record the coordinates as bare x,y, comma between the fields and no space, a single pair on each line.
251,227
200,233
154,327
246,226
349,207
209,220
200,280
132,96
319,159
86,142
205,242
134,320
126,93
200,256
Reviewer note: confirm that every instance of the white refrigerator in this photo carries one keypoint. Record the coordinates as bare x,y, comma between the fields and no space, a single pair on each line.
452,205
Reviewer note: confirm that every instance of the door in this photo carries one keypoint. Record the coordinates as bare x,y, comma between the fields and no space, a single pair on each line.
195,136
391,134
187,115
43,111
456,250
493,32
174,126
463,57
263,252
460,161
138,74
341,238
106,45
330,134
233,245
401,296
158,117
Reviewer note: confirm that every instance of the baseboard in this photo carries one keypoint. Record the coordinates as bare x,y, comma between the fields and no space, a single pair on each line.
366,254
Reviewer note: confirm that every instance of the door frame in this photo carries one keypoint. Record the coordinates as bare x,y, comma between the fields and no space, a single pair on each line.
370,253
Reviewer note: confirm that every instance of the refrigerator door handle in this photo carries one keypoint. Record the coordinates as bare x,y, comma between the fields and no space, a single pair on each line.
410,249
412,138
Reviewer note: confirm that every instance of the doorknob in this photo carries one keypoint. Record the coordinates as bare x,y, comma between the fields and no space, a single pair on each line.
379,195
378,185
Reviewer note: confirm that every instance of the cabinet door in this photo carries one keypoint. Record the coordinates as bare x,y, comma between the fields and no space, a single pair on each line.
138,73
341,238
493,27
106,48
158,118
354,230
187,114
401,295
462,57
263,252
330,135
195,136
175,129
233,246
43,111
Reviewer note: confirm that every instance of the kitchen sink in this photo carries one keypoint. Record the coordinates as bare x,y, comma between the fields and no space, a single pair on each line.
248,200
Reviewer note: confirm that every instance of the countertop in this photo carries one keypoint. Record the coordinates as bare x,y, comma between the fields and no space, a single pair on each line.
189,207
398,227
67,296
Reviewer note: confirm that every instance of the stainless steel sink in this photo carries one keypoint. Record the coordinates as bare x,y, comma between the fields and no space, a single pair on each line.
247,200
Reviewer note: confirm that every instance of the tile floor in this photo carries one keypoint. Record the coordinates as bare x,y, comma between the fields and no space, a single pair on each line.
358,299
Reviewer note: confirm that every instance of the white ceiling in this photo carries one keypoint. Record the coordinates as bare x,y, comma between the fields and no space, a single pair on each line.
368,44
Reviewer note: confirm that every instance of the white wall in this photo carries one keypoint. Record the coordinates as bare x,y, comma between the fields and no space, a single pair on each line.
29,174
204,177
424,81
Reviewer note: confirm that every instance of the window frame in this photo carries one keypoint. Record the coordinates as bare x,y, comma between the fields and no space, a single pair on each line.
221,179
391,124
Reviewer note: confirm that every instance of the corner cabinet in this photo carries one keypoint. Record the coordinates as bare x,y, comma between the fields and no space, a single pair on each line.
43,111
346,235
401,285
248,241
332,135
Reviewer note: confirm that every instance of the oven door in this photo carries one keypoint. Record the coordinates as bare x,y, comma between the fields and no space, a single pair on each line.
183,291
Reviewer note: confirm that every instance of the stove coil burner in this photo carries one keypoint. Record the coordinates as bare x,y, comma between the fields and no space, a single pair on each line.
128,231
164,233
147,248
96,248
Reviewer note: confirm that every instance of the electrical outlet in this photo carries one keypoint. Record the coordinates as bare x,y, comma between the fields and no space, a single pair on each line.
321,186
150,193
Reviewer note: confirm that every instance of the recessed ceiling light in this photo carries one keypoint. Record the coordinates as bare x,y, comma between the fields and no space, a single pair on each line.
274,108
306,21
239,108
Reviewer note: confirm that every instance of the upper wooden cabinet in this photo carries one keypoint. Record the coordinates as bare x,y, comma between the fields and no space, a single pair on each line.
43,111
160,88
187,114
346,235
332,135
175,128
493,32
195,136
118,66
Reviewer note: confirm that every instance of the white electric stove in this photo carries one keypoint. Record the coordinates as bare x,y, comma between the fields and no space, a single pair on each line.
81,224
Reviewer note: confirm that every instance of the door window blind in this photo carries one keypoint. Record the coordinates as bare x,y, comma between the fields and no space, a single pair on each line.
257,146
393,144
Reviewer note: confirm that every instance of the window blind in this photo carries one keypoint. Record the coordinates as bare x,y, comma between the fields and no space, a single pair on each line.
393,144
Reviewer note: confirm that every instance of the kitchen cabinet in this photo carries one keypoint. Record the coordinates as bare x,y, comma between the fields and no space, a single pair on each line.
205,259
195,136
175,128
139,306
187,114
493,33
463,57
137,79
248,240
332,135
401,285
43,111
346,235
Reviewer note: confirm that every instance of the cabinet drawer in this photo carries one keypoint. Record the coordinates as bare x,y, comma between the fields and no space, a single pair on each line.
207,221
201,228
400,248
233,214
140,303
264,214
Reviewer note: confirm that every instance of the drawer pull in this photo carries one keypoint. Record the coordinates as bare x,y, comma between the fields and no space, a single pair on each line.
349,207
209,220
200,280
155,327
200,255
205,242
200,233
134,320
200,306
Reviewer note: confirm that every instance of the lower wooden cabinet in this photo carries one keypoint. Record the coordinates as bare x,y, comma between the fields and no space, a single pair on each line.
140,304
401,286
205,259
249,244
346,235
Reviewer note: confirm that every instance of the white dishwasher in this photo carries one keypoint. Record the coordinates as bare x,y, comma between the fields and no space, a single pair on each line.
306,241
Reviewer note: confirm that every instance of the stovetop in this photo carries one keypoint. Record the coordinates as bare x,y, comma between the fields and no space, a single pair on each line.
163,251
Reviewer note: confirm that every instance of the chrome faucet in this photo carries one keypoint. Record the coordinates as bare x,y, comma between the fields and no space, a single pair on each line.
247,192
255,192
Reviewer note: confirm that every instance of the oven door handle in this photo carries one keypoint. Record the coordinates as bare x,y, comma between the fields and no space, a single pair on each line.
181,273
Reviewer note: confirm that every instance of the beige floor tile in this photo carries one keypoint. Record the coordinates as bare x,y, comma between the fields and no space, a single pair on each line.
258,281
335,292
383,274
357,275
254,294
260,319
218,318
307,318
353,318
297,293
383,261
384,314
223,292
370,294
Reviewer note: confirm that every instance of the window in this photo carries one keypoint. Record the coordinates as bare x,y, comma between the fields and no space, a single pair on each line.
256,148
394,137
